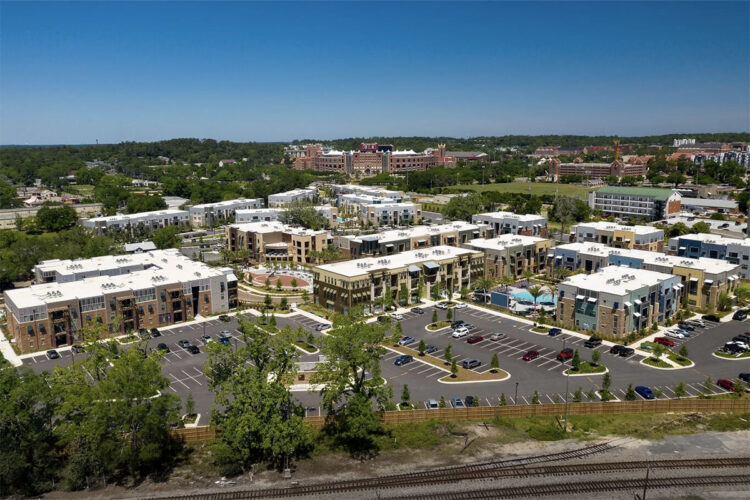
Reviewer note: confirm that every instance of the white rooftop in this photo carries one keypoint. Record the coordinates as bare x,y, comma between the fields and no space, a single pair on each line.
510,215
275,227
295,192
362,267
417,231
504,241
227,203
611,226
156,213
107,263
713,238
616,280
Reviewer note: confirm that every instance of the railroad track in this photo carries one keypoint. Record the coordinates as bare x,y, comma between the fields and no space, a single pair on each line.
577,488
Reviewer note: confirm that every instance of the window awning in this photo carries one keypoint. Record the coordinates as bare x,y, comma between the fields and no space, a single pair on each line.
580,297
389,245
683,248
693,279
434,266
559,257
708,282
680,285
592,300
413,269
637,315
638,302
421,241
628,304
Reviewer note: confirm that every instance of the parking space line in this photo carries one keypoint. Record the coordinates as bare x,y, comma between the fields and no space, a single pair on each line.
180,381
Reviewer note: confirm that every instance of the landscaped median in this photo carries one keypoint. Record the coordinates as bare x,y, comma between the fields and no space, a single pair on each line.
462,374
673,360
730,356
433,327
587,368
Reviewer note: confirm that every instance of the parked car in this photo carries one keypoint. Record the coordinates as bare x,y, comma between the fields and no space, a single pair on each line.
53,354
497,336
740,338
323,326
740,315
406,340
430,349
474,339
418,310
403,359
223,317
460,332
711,317
684,332
627,351
441,305
193,349
184,344
725,384
615,349
457,324
225,334
565,354
163,347
530,355
735,347
593,341
645,392
206,339
433,404
469,401
470,363
696,322
686,326
397,316
457,403
554,332
745,377
460,305
142,332
384,319
664,341
469,326
77,349
674,334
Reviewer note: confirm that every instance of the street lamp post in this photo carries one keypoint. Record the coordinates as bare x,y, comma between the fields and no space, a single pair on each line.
515,398
567,384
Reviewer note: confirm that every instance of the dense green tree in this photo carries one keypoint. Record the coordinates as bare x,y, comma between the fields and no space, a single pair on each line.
463,207
8,196
54,218
144,203
630,394
167,237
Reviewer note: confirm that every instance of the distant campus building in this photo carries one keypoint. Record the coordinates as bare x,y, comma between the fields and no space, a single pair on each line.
630,202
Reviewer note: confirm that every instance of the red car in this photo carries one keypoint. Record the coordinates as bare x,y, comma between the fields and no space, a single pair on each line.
474,339
530,355
664,341
565,354
725,384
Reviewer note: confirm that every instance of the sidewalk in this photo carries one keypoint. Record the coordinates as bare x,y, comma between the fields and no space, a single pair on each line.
8,353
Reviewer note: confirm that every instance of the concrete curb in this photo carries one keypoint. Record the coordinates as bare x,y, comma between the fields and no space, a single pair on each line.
746,358
606,370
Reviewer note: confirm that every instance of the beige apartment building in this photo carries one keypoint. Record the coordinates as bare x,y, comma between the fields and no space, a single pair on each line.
275,242
512,254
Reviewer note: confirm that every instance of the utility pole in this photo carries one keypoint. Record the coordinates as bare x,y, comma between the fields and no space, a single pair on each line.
515,398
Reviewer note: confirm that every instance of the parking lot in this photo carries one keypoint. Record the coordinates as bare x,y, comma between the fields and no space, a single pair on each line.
543,374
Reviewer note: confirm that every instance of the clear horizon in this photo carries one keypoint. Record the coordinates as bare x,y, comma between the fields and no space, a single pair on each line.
73,73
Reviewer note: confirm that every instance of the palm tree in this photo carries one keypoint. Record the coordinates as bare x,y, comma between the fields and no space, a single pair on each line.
507,282
527,274
535,291
743,295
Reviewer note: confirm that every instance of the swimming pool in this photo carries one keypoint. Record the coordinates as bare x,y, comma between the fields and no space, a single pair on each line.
526,296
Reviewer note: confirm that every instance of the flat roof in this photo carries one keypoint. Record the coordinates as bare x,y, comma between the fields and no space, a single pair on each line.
275,227
294,192
611,226
715,239
228,203
616,280
155,213
510,215
390,205
656,193
417,231
362,267
708,202
504,241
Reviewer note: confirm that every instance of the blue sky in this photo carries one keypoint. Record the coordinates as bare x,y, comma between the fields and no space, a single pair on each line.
77,72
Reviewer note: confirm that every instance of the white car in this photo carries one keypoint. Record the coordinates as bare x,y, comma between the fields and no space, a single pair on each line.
675,334
460,332
397,316
441,305
460,305
497,336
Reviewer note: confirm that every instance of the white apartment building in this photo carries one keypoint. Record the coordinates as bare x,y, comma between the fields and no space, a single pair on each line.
343,189
208,213
631,202
394,214
734,250
510,223
282,199
147,221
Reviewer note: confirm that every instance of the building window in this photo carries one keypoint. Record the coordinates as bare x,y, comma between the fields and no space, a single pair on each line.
30,330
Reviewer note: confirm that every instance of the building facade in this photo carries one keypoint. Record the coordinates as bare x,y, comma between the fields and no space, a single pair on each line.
619,236
733,250
295,195
617,301
393,214
510,223
9,217
142,221
617,168
124,293
512,254
275,242
273,214
209,213
631,202
365,282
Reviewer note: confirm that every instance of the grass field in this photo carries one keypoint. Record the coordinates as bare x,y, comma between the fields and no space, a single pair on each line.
537,188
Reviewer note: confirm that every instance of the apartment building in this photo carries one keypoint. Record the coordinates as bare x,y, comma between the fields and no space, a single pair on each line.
617,300
704,279
274,242
287,197
512,254
125,293
393,214
629,202
272,214
363,282
402,240
510,223
209,213
620,236
142,221
343,189
733,250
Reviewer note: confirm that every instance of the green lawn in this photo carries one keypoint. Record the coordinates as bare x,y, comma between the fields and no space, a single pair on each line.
537,188
586,367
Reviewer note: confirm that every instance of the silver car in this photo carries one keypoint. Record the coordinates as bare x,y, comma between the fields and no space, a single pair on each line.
497,336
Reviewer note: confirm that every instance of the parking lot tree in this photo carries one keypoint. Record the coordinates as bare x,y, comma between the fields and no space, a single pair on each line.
434,316
405,396
422,347
657,393
454,368
267,301
596,356
305,296
658,351
272,321
283,303
630,394
436,290
683,352
606,381
350,375
189,406
578,395
449,314
278,283
494,363
591,395
680,390
535,398
464,293
576,361
310,338
708,385
739,387
294,283
447,354
28,454
442,403
503,401
268,282
388,298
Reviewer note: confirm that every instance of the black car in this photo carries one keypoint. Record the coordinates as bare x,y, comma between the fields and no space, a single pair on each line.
430,349
469,401
53,354
626,351
224,318
468,326
615,349
745,377
711,317
686,326
593,341
740,338
417,310
457,324
184,344
77,349
163,347
155,333
740,315
193,349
